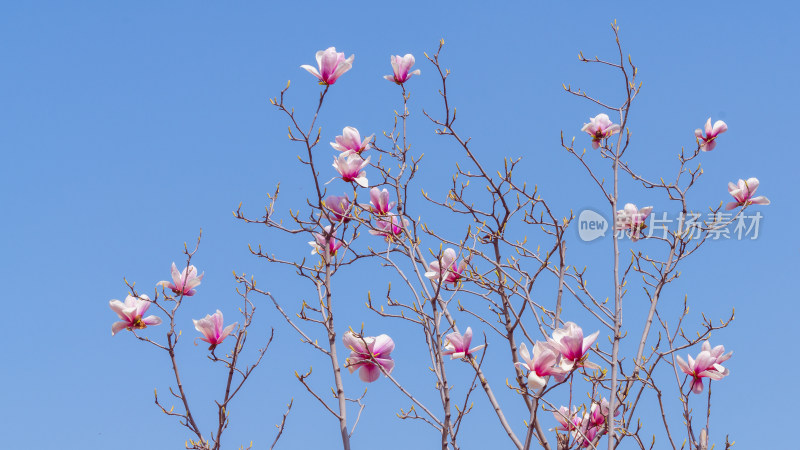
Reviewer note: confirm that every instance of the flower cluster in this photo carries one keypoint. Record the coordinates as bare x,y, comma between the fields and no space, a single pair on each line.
565,351
584,429
183,283
631,218
349,163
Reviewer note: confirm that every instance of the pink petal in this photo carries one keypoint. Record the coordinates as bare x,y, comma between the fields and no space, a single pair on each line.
382,346
116,327
354,343
369,372
152,320
684,367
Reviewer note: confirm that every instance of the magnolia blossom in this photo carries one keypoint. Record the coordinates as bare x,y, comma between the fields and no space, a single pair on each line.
331,65
448,271
709,141
743,193
350,141
569,341
211,328
568,419
633,219
349,167
379,201
585,434
131,313
339,208
318,244
183,282
599,411
706,365
389,227
540,366
457,345
600,127
369,355
400,67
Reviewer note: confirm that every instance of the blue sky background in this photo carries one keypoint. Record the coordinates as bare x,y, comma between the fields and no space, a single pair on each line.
127,128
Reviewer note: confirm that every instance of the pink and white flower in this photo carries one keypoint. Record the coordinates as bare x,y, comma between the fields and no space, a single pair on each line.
338,207
599,412
331,66
709,141
211,328
447,270
320,240
183,282
569,341
400,67
568,419
350,142
349,167
131,313
633,219
706,365
379,201
369,355
585,434
457,345
390,227
599,128
541,366
743,193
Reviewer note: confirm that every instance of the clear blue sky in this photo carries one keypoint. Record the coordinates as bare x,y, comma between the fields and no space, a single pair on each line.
124,129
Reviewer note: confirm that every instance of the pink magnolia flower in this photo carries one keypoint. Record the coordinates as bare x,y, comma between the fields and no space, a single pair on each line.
331,65
586,435
568,419
541,366
367,354
633,219
599,128
183,282
743,193
599,411
706,365
451,272
709,141
379,201
457,346
211,328
349,167
400,67
350,142
389,227
131,313
339,208
569,341
318,244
